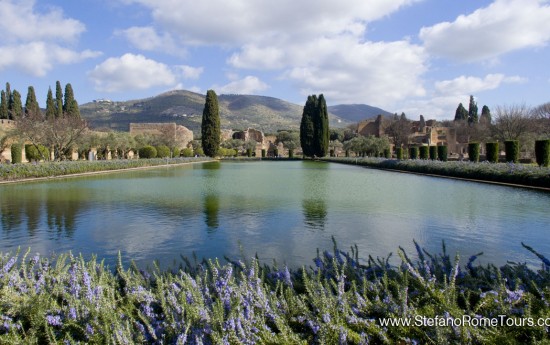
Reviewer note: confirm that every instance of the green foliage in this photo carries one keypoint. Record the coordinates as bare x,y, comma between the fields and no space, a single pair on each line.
542,152
473,152
276,152
70,105
263,153
210,127
147,152
187,152
413,152
491,150
461,113
485,115
399,153
31,104
163,151
433,153
3,105
176,152
15,107
290,153
424,152
442,153
322,133
472,111
387,153
249,152
512,150
16,153
224,152
50,106
36,154
307,127
58,99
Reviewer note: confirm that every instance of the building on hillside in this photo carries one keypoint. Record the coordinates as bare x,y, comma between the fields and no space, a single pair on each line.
180,134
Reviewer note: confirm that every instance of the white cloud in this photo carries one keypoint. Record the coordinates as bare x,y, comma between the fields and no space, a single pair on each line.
131,72
246,85
35,42
189,72
470,85
146,38
503,26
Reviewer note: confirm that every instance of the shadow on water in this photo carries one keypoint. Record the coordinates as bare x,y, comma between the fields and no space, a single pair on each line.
314,202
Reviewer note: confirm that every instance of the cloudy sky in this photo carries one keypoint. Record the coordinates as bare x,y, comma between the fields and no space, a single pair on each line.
416,56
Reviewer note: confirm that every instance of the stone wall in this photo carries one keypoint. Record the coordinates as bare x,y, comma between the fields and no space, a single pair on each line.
181,135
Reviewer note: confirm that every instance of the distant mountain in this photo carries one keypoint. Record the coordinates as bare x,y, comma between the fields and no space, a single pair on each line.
185,108
356,112
236,111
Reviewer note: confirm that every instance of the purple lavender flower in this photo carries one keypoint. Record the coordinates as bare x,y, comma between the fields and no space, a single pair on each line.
7,267
54,320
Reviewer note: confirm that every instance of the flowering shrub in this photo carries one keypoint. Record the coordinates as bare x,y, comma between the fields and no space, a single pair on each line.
49,169
340,299
522,174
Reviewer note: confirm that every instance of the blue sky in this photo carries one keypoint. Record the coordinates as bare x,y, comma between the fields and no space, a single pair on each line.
416,56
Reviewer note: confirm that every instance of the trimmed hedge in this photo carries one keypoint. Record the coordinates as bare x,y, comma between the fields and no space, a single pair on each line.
34,154
147,152
473,152
276,152
249,152
263,153
442,153
413,152
290,153
187,152
492,152
387,153
424,152
542,152
16,153
163,151
512,150
433,153
399,153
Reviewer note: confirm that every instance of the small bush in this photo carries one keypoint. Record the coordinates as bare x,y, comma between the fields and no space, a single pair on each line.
276,152
442,153
424,152
147,152
249,152
176,152
16,153
473,152
542,152
413,152
163,151
187,152
263,153
387,153
34,154
492,152
433,153
399,153
290,153
199,151
512,150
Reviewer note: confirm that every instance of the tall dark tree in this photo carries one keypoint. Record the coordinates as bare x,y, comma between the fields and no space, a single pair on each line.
31,104
472,111
3,105
15,107
70,106
8,93
461,113
58,99
210,127
322,133
50,106
422,123
307,126
485,115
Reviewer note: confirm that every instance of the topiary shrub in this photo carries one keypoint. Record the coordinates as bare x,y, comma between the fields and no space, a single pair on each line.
424,152
512,150
442,153
16,153
399,153
387,153
290,153
147,152
413,152
176,152
473,152
542,152
492,152
249,152
331,153
34,154
433,153
187,152
347,153
276,152
263,153
163,151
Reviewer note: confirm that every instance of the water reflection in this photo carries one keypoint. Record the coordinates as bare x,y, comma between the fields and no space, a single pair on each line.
211,195
314,202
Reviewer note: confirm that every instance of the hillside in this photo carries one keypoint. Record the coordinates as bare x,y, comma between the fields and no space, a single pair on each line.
185,108
356,112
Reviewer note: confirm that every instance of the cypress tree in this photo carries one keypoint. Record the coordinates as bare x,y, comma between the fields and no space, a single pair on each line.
210,127
472,111
485,115
321,135
15,107
70,106
58,99
307,127
51,110
461,113
31,104
3,105
8,93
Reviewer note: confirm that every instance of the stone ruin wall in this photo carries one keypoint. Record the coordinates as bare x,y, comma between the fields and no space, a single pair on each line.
181,134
